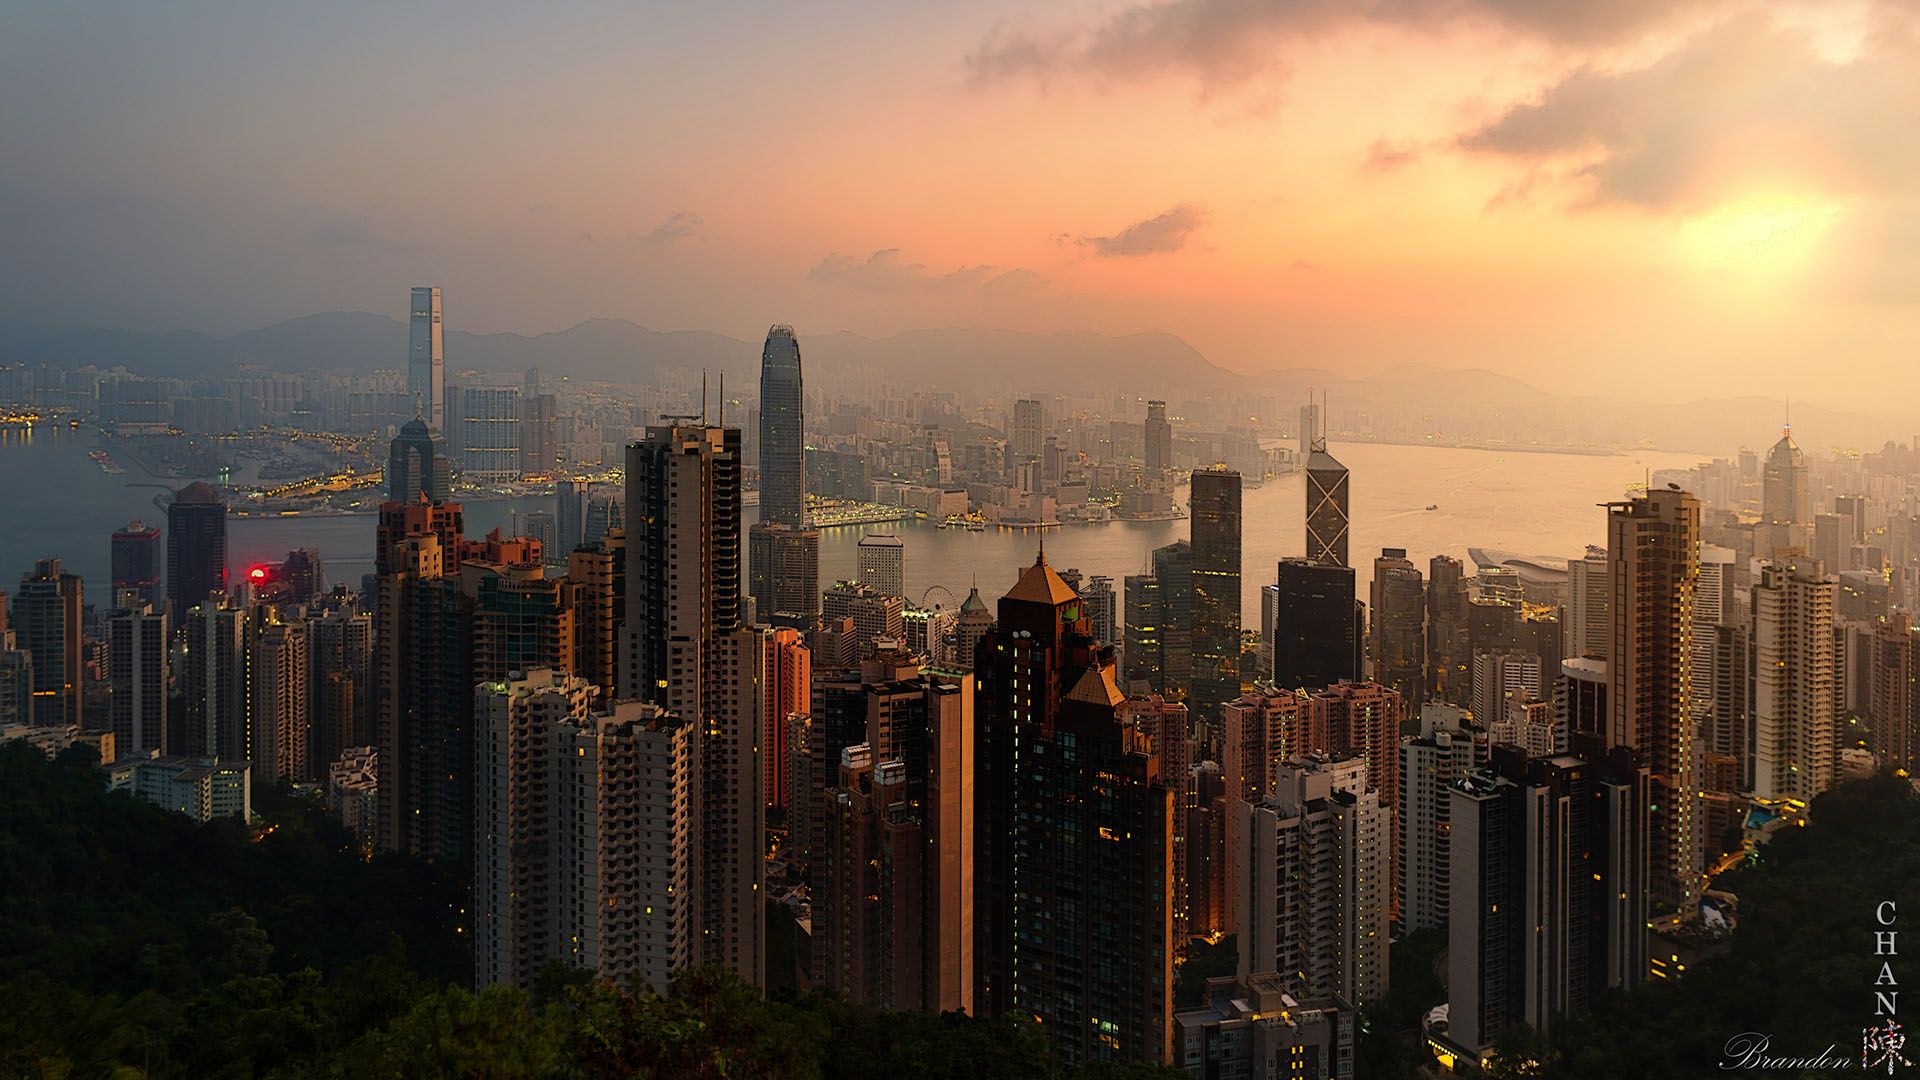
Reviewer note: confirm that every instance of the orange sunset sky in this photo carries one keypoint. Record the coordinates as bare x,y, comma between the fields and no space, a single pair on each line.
1668,199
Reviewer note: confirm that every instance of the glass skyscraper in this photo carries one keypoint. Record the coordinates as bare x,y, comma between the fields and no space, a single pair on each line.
783,443
426,357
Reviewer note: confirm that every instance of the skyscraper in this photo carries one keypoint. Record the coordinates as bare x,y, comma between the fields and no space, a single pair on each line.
891,858
1074,905
1173,569
789,683
1316,626
46,620
196,546
1215,522
1588,623
882,563
1102,612
426,358
1653,558
211,674
1260,729
570,514
1399,631
1449,635
1316,891
1893,712
1786,498
1547,901
137,643
1429,765
282,691
1794,716
483,429
783,440
685,649
1023,444
582,852
683,558
1326,507
417,465
137,561
340,647
1158,434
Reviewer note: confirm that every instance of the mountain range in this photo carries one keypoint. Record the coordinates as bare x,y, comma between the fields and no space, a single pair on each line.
1479,405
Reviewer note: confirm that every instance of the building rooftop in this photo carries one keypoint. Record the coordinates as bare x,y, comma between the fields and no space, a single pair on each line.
1039,584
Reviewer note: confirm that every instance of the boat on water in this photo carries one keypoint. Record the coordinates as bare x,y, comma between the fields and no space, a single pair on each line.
1433,506
106,462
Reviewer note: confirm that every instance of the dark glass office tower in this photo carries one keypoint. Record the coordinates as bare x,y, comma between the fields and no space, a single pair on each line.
196,546
783,436
1400,627
417,465
1316,626
1173,566
1215,521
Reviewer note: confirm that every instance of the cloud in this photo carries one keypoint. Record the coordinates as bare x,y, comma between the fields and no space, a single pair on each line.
1165,232
1386,156
678,226
1229,42
888,271
1746,103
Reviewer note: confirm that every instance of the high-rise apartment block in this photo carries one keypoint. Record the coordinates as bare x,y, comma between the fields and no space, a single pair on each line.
582,847
137,648
1074,911
1653,559
45,617
1316,883
1548,903
1794,715
685,649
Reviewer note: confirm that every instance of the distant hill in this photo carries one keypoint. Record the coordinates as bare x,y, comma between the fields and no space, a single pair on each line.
1409,397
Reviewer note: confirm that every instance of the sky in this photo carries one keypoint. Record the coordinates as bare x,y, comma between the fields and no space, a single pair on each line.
1671,197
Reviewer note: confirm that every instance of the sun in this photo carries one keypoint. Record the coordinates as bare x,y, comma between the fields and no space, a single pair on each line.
1763,236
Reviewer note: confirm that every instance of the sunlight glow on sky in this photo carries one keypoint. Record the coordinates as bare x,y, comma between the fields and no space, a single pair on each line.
1681,193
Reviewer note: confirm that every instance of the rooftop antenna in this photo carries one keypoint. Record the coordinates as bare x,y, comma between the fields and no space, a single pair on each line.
723,399
703,397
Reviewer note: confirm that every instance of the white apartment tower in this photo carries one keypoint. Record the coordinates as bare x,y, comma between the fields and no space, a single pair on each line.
1793,719
1316,897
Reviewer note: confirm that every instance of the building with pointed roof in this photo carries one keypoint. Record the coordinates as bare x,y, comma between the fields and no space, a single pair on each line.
1074,836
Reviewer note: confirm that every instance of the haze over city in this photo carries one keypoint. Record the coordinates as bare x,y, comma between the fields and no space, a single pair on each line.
1701,198
1098,540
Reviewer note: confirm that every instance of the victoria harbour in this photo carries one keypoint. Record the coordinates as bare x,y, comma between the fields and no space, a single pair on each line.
1522,502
